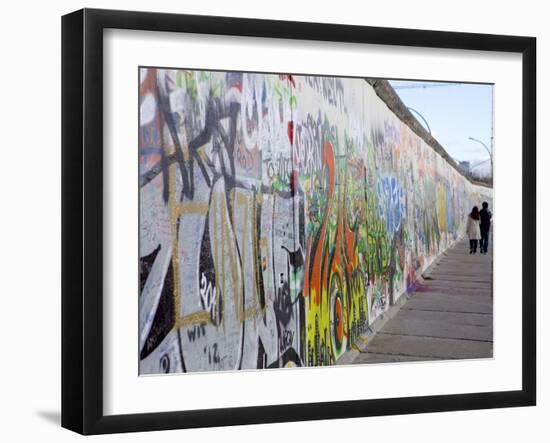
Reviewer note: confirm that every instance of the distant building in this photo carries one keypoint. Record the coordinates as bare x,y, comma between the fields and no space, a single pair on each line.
465,167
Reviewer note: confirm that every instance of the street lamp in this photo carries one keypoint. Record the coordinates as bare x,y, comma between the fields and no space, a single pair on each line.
422,117
487,149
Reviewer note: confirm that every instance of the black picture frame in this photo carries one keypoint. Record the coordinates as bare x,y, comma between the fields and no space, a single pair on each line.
82,218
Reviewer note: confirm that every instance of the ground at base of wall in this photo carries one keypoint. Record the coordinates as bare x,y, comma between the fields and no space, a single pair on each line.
450,316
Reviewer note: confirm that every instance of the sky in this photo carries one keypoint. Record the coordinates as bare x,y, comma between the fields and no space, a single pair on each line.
454,112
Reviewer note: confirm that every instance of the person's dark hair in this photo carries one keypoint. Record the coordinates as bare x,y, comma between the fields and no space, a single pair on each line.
475,213
485,205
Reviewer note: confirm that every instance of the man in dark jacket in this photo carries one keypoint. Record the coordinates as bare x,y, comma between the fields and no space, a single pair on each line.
484,225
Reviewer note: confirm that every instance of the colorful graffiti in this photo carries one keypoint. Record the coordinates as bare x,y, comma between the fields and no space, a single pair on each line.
279,216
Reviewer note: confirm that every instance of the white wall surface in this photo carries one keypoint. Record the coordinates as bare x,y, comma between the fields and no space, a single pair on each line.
31,234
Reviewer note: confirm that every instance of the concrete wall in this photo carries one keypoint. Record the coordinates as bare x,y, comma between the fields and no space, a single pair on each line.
280,216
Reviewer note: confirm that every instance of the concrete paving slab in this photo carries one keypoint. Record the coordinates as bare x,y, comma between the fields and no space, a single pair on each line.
450,292
430,347
435,276
465,262
434,302
469,273
455,318
459,265
459,284
449,289
408,325
471,297
371,357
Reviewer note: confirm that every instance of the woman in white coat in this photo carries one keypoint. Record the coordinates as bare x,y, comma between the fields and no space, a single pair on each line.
472,229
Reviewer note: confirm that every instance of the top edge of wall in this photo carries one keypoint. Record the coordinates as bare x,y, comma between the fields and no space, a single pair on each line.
384,90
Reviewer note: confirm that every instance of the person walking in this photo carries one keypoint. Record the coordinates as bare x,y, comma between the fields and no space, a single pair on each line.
485,226
473,229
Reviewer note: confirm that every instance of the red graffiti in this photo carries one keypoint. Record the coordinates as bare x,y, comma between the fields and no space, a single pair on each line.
290,132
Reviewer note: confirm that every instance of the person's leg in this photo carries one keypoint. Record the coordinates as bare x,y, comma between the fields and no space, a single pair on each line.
474,246
481,242
485,237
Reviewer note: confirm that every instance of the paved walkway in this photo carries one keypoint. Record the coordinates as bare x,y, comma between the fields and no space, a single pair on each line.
450,316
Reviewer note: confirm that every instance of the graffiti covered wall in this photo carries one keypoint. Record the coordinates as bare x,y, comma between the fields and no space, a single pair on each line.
279,216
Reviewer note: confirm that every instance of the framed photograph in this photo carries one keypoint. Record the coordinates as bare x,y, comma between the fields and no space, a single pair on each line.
269,221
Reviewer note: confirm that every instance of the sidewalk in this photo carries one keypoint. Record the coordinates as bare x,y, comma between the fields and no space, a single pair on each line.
450,316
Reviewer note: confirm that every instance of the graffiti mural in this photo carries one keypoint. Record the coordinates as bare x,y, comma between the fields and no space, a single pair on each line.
280,215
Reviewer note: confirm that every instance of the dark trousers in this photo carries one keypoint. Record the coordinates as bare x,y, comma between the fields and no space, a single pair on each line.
484,242
473,245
